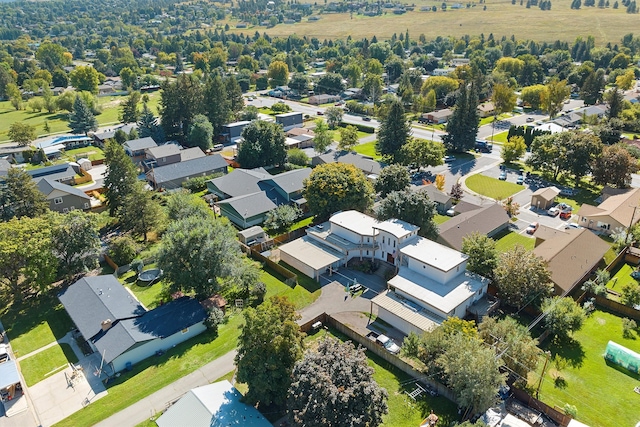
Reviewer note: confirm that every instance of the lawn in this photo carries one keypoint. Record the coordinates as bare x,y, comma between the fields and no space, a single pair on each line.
506,241
584,196
368,149
93,153
41,365
492,187
149,296
602,392
336,136
303,223
301,295
621,276
157,372
441,219
35,323
500,137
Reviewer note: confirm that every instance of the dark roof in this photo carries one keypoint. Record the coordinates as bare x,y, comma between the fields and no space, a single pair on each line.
250,205
191,167
191,153
112,132
240,182
435,194
483,221
141,143
4,167
163,150
55,172
92,300
364,163
161,322
48,185
291,181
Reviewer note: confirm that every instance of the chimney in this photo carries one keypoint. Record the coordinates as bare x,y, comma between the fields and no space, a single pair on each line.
106,325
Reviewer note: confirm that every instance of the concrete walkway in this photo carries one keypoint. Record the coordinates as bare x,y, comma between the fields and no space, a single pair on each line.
160,400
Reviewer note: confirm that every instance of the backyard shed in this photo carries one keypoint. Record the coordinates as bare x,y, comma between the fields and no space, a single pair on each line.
622,356
543,198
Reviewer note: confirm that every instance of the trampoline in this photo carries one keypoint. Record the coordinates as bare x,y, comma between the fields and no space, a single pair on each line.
147,277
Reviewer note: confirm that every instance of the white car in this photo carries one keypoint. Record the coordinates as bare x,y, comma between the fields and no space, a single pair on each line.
388,344
554,211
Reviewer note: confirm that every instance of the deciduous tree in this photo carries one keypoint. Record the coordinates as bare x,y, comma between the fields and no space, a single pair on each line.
322,137
392,178
333,385
263,145
414,207
483,256
348,138
334,116
278,73
513,149
556,91
141,213
201,133
562,316
522,278
421,153
614,166
75,241
504,99
85,78
22,133
268,347
281,218
337,187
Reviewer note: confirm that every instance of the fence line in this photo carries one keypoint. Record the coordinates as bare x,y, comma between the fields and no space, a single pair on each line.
536,404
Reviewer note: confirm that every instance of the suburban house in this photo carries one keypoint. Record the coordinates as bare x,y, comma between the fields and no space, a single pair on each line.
247,195
172,176
544,198
62,197
64,173
13,152
432,282
573,118
53,147
135,148
115,324
300,141
437,117
231,132
571,255
299,132
5,165
442,71
489,220
168,154
323,99
217,404
617,210
486,109
443,201
364,163
289,120
100,138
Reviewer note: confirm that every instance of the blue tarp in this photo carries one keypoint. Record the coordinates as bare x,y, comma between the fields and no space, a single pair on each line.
8,374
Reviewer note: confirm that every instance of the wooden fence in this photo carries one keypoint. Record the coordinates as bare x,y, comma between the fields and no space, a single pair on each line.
86,177
557,416
291,278
615,306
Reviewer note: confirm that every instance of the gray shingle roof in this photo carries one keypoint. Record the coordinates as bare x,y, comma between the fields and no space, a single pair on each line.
141,143
250,204
435,194
291,181
191,167
92,300
163,150
191,153
364,163
241,182
161,322
47,185
483,221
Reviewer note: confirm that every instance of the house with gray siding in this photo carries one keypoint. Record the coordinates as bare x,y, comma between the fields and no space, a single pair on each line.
62,197
64,173
135,148
172,176
115,324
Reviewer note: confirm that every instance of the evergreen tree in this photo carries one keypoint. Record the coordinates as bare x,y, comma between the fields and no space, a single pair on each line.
234,94
394,131
81,119
129,112
21,197
217,105
201,133
591,90
179,102
462,127
120,178
148,125
615,103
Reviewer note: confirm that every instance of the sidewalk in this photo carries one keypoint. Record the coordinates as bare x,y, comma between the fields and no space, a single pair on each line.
158,401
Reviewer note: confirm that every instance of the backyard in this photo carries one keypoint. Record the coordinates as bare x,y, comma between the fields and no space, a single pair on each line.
368,149
47,362
492,187
508,239
579,375
621,276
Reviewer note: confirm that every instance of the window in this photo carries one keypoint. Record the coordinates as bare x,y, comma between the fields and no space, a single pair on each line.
383,240
367,252
394,243
185,330
57,200
164,159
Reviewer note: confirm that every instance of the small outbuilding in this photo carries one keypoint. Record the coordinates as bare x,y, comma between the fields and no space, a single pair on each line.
543,198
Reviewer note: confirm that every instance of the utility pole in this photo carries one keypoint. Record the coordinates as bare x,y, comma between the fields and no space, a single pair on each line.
544,368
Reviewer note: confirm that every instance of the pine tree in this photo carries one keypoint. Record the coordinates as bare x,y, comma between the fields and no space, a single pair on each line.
462,127
615,101
148,125
217,107
129,112
394,131
121,177
81,119
234,94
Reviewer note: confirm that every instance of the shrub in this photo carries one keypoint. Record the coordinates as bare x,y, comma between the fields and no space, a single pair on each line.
630,294
570,410
589,306
280,107
258,291
628,326
297,157
215,318
123,250
137,265
199,183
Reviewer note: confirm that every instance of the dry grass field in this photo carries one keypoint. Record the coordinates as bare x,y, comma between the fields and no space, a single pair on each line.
501,18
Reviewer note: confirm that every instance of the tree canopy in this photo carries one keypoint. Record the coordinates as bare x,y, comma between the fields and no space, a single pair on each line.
263,145
392,178
120,178
414,207
522,278
483,257
394,131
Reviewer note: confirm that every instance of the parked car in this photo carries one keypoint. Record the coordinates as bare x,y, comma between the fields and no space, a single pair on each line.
483,146
568,191
449,159
532,228
565,214
366,119
572,225
520,180
320,113
451,212
356,288
503,176
388,344
636,275
553,211
530,119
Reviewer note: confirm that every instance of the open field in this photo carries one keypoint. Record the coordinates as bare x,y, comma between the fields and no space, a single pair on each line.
500,19
602,392
48,362
492,188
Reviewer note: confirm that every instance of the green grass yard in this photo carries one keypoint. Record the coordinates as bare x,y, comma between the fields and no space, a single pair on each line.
499,137
441,219
299,295
506,241
492,187
602,392
368,149
48,362
621,276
